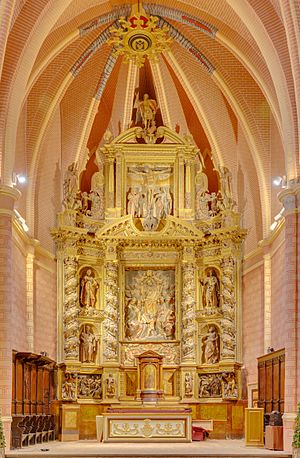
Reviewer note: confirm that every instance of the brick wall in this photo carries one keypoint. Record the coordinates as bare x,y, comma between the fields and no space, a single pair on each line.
253,320
278,312
18,312
45,315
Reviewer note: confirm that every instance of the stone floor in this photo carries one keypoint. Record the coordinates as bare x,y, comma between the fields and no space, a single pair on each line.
209,448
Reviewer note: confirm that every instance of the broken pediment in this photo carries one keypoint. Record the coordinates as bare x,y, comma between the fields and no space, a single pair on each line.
128,227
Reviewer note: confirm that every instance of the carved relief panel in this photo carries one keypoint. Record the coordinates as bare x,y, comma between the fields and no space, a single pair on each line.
89,386
81,386
150,305
218,385
149,193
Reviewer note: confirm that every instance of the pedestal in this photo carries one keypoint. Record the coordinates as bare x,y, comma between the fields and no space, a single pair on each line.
69,422
254,427
274,437
99,427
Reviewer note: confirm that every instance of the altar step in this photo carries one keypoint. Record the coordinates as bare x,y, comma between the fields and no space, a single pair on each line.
210,448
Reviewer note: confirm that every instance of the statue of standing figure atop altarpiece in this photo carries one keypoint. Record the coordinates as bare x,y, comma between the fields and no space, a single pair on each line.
70,187
227,203
145,122
97,189
147,109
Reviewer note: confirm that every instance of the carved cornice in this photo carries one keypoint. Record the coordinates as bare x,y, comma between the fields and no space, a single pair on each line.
125,233
178,143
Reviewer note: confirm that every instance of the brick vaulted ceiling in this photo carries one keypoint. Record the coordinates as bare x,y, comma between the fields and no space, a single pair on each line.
231,79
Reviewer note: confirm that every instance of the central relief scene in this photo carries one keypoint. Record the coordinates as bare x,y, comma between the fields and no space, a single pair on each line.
149,194
150,305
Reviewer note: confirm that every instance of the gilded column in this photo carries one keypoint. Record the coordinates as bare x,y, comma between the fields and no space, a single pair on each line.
111,182
119,182
71,309
111,321
228,321
180,184
188,305
188,194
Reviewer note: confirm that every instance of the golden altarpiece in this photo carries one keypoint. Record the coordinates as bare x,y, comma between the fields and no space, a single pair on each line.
149,267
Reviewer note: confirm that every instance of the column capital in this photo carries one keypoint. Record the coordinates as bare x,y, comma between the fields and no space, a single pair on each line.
290,198
8,197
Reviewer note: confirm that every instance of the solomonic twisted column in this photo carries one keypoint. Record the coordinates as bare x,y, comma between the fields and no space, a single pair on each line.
188,312
71,309
110,324
228,308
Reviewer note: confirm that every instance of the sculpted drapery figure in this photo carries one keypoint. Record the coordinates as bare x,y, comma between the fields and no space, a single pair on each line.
147,108
211,346
150,305
150,198
211,290
69,387
188,384
226,182
89,287
70,186
110,386
88,345
230,385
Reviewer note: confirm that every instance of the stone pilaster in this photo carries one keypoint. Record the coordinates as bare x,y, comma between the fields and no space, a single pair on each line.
8,196
290,199
30,298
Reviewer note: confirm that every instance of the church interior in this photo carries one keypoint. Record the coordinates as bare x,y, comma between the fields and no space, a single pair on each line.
149,221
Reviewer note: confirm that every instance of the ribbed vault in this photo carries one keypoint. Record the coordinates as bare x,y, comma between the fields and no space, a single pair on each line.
229,80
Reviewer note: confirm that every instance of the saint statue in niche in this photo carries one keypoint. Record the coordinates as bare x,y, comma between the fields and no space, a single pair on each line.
211,290
211,346
89,287
88,344
110,386
188,384
150,305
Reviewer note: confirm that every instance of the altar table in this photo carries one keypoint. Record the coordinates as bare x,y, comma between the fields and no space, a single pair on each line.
147,425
